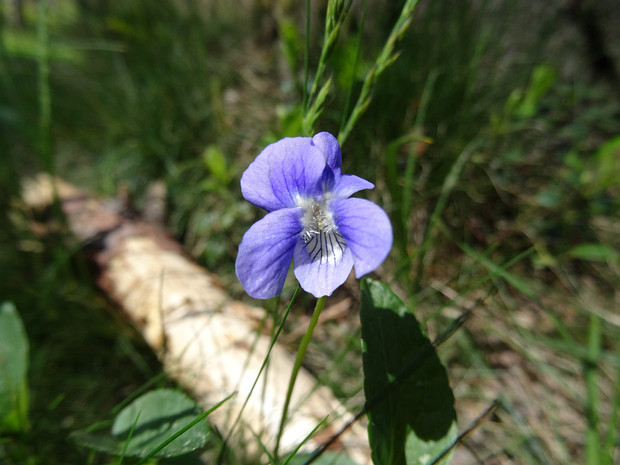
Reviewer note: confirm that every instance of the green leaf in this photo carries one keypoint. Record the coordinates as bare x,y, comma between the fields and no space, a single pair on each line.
408,398
215,162
593,252
602,171
541,81
162,423
13,370
153,418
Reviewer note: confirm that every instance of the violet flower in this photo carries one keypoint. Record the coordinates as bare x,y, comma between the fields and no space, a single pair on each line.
311,220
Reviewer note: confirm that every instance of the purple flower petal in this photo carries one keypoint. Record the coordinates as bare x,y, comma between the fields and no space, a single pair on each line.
338,185
329,180
256,185
299,171
367,230
311,221
346,185
284,170
266,251
321,277
331,150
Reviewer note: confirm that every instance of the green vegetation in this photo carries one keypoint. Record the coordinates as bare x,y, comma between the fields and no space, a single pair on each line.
492,134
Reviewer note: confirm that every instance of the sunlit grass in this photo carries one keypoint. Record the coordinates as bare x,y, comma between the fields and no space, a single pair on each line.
494,171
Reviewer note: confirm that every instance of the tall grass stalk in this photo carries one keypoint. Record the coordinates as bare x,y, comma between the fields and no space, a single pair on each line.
387,56
410,165
306,439
262,368
495,270
44,93
128,440
306,97
448,186
337,11
10,89
358,47
313,103
43,87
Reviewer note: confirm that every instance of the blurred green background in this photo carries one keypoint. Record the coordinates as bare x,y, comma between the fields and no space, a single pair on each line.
493,140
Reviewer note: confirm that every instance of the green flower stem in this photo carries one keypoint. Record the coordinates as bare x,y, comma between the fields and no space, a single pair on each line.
301,353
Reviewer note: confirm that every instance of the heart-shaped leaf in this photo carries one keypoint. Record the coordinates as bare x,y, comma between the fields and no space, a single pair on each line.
408,398
155,417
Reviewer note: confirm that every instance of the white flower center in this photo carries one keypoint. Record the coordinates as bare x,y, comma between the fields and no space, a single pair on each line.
323,241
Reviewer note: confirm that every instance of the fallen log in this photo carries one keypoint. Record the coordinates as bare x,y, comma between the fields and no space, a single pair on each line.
206,340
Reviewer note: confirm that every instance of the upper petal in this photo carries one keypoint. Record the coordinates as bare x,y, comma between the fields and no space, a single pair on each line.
337,184
367,230
284,170
298,172
321,277
266,251
330,148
